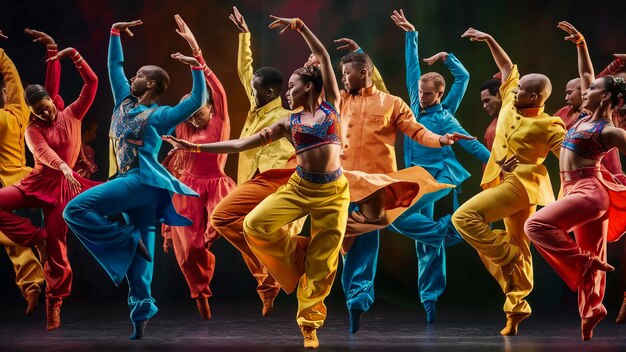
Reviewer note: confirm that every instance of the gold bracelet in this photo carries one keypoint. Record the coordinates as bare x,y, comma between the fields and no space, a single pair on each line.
196,148
297,24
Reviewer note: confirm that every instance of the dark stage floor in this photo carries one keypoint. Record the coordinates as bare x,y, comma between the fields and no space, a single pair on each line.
240,327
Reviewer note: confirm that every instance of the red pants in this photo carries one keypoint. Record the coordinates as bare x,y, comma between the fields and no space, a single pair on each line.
57,270
191,243
583,209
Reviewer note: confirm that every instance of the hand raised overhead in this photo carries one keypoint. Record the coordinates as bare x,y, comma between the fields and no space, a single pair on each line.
238,20
61,54
184,31
475,35
346,44
574,35
443,56
39,37
400,20
125,26
288,23
189,60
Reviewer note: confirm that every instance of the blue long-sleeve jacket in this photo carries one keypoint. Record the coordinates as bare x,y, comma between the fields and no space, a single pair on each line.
438,119
161,121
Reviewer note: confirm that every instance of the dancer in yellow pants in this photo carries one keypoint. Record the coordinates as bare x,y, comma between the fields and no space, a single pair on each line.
524,137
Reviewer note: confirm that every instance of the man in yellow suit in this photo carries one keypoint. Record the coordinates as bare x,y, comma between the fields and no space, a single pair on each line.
14,116
514,182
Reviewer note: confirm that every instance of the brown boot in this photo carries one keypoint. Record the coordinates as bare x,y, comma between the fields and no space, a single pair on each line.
310,337
621,317
32,299
203,307
53,313
588,324
512,322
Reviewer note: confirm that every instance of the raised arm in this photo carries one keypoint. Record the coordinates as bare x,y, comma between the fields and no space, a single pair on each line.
15,104
218,94
585,67
244,54
172,116
80,107
411,57
461,80
276,131
120,86
614,67
331,89
53,68
504,63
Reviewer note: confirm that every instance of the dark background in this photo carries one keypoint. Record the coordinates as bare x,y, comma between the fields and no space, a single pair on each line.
526,29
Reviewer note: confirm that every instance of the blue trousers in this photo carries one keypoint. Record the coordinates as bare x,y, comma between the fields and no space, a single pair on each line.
359,270
113,244
430,236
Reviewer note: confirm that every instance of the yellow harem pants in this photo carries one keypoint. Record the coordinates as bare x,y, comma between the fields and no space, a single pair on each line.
291,262
497,248
28,269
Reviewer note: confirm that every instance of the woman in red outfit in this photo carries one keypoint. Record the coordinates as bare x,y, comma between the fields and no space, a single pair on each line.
53,137
204,173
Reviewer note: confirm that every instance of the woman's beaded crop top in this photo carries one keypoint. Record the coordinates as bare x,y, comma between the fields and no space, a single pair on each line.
307,137
586,143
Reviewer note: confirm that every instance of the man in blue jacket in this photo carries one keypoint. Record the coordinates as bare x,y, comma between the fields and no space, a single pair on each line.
142,190
430,235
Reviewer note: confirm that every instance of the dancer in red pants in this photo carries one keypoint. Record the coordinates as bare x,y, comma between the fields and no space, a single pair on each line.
53,136
204,173
593,206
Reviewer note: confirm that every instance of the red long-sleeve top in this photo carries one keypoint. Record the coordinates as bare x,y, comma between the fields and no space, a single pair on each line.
217,129
57,142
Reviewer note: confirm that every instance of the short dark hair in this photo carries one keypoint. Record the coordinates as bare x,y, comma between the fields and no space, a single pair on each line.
311,74
362,60
270,77
87,123
34,93
159,76
492,85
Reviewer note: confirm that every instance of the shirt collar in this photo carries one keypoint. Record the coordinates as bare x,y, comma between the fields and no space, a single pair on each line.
371,90
431,109
531,112
276,103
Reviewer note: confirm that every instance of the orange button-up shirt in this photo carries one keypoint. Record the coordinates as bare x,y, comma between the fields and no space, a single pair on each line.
368,128
529,134
13,122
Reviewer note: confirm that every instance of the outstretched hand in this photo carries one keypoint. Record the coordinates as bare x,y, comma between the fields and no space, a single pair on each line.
346,44
39,37
475,35
238,20
184,31
125,26
2,36
508,165
450,138
178,144
189,60
61,54
400,20
443,56
574,35
288,23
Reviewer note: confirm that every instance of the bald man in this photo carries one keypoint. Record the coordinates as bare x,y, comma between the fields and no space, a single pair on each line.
514,182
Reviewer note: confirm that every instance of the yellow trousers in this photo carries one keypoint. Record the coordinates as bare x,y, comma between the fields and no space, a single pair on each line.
28,270
497,248
309,265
